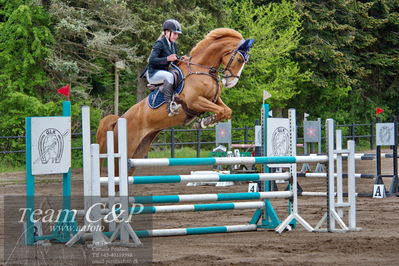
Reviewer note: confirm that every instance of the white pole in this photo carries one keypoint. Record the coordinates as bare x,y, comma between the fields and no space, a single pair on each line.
351,185
86,141
330,181
293,167
98,237
116,100
293,171
340,198
123,177
111,174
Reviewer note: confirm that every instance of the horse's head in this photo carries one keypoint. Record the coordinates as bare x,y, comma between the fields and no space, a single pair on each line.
234,62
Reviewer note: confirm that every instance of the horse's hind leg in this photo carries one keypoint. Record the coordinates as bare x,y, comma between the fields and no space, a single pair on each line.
144,146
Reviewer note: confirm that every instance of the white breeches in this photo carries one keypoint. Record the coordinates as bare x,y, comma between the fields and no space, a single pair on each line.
160,76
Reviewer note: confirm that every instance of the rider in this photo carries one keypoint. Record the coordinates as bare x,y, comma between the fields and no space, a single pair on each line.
164,52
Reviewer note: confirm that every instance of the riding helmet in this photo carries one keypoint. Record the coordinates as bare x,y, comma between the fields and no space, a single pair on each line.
172,25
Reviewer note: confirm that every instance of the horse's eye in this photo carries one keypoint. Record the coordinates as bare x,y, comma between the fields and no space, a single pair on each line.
240,60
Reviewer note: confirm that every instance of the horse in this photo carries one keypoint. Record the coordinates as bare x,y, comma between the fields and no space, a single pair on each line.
201,92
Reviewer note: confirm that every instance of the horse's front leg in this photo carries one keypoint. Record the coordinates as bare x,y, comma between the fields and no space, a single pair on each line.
202,104
211,121
227,111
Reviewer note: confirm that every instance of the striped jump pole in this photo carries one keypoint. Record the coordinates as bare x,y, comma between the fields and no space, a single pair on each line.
187,231
200,207
190,231
138,209
364,176
199,178
358,156
225,161
206,197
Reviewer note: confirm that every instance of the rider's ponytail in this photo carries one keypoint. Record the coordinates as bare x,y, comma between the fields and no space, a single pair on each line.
161,36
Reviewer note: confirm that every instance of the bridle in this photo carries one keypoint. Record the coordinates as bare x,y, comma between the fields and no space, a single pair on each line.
227,68
215,73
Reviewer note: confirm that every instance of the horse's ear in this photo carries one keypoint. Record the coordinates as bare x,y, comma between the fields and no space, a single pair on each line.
250,42
246,45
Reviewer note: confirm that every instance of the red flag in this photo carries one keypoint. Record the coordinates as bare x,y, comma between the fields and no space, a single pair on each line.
378,111
64,91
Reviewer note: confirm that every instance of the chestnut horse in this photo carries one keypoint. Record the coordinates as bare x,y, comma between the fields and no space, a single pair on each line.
201,92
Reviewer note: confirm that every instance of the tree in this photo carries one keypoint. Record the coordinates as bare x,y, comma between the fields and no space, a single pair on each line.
381,58
90,37
342,45
276,29
25,38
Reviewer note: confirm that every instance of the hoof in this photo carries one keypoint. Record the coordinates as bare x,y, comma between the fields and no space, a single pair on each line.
199,124
205,122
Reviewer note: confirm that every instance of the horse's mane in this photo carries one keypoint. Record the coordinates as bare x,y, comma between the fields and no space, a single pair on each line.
214,35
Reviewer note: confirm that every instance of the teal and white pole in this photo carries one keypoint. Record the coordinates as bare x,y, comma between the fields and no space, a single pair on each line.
30,184
66,111
198,178
191,231
224,161
269,216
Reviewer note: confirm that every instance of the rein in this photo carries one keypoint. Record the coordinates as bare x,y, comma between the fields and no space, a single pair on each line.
213,70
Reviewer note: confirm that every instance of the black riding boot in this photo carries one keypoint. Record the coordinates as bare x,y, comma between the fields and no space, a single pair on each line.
171,106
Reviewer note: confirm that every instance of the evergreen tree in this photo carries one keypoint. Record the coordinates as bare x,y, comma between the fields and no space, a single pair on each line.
91,36
24,46
342,44
381,58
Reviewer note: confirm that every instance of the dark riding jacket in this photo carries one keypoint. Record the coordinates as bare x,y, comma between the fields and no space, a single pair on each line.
160,51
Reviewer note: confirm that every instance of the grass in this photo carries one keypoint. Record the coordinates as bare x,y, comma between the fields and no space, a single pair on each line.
179,153
7,167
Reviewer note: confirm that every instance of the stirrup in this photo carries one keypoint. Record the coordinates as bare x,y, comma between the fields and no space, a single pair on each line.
173,108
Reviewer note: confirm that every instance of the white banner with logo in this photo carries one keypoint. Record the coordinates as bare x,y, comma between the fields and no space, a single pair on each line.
51,145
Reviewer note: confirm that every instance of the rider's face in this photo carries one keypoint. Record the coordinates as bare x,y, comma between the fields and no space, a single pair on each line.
172,36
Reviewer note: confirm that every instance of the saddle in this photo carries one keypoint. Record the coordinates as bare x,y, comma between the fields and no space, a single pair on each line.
156,97
177,78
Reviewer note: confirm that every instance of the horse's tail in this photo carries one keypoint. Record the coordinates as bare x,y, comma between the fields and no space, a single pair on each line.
106,124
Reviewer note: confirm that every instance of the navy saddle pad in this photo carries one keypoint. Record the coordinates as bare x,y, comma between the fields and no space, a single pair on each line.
156,98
